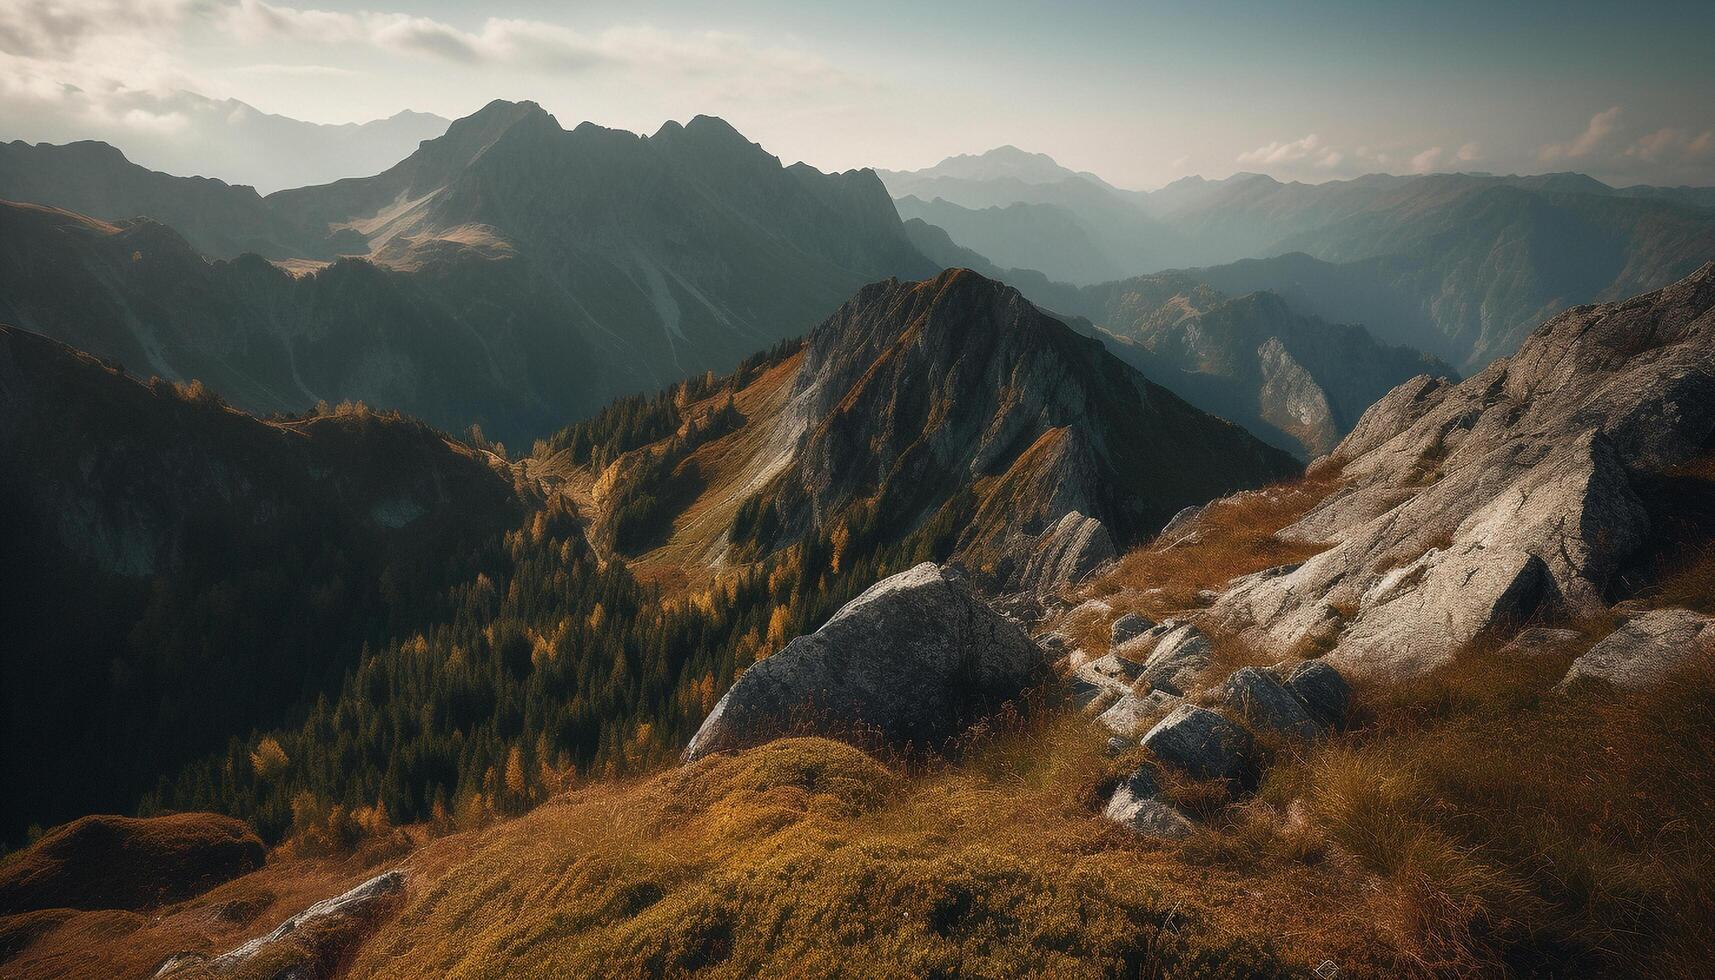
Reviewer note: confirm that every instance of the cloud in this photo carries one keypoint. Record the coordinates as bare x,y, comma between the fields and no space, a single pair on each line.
1308,149
516,42
57,29
1595,134
1468,153
296,71
1424,162
1670,145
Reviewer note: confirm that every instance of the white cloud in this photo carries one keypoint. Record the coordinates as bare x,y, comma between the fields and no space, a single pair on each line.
1308,149
1424,162
1468,153
515,42
296,71
1670,145
1595,134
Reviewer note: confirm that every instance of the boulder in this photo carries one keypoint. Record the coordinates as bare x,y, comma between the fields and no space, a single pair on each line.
1267,702
1136,804
1131,713
915,659
1322,690
1178,657
1202,744
310,945
1647,650
1180,521
111,862
1127,627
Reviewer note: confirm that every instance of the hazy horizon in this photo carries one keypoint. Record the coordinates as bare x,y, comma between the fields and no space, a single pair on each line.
1139,95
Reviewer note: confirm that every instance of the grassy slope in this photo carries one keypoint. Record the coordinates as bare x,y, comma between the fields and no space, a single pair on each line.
1472,823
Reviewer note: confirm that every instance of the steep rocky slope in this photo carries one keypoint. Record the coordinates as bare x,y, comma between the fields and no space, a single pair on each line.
1296,381
193,570
1521,493
911,389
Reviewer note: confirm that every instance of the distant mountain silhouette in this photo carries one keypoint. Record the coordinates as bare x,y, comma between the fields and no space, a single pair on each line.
508,272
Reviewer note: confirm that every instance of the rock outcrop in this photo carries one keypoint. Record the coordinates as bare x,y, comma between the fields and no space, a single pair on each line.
1466,509
310,945
110,862
913,660
1646,651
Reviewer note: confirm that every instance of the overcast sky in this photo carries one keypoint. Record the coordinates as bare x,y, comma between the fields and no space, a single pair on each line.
1140,93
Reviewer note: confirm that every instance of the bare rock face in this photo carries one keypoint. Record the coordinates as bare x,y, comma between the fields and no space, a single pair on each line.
914,659
310,945
1178,657
1464,509
1646,651
1128,627
1063,555
1132,713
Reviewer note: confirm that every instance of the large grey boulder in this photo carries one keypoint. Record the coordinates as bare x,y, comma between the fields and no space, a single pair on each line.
914,659
1464,510
1202,744
1647,650
1135,804
308,946
1266,702
1322,691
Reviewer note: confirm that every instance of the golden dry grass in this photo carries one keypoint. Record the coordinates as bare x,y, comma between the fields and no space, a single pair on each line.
1519,830
806,857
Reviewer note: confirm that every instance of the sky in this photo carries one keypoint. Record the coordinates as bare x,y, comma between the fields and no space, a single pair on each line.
1140,93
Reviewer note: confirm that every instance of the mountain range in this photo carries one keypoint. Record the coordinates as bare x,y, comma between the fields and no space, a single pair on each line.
1472,260
508,273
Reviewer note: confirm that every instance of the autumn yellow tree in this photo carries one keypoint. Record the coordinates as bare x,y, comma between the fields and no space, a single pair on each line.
269,760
